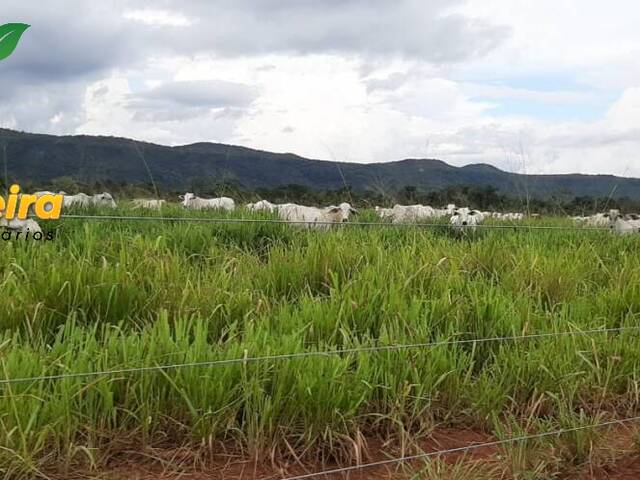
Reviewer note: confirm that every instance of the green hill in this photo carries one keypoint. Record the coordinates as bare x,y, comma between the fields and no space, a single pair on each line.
38,159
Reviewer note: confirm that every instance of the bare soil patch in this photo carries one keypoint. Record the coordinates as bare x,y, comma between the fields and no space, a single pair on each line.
484,463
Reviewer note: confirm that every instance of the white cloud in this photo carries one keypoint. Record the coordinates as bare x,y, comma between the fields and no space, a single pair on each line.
558,97
552,34
545,86
320,106
160,18
625,113
109,111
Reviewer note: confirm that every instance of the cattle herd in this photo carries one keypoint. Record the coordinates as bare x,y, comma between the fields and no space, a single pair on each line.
622,224
460,218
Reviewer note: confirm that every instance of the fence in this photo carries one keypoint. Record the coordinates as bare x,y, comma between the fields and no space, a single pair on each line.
468,448
513,226
362,350
327,353
384,348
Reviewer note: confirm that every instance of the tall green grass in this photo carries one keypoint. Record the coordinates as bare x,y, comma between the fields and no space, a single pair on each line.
111,294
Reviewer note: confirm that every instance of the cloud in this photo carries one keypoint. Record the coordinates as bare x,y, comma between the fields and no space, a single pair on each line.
66,41
607,145
625,112
189,99
72,45
54,109
108,109
411,28
557,97
208,93
160,18
497,81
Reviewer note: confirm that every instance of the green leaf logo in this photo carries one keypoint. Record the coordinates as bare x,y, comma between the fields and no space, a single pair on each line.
9,37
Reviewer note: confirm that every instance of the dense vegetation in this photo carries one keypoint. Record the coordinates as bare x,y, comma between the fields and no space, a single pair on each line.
108,295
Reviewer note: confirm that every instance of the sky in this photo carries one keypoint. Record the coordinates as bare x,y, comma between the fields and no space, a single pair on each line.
545,86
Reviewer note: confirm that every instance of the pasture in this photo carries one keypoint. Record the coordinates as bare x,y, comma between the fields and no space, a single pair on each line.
108,295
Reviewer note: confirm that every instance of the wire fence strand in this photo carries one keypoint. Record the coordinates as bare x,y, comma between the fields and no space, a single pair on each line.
497,443
298,355
325,223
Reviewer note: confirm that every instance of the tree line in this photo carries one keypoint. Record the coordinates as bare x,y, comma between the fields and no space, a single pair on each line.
480,197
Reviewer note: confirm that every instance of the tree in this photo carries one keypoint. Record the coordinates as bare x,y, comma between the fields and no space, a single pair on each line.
65,184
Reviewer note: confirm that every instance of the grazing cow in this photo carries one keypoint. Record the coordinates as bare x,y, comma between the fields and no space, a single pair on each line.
27,225
441,213
451,208
103,200
315,217
480,216
189,200
509,216
445,212
623,225
579,220
78,200
149,204
598,220
411,213
384,212
347,210
466,219
291,212
262,205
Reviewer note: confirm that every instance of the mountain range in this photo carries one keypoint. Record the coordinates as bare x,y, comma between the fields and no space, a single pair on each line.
38,159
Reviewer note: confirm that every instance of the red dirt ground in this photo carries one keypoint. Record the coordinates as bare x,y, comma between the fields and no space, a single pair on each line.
178,464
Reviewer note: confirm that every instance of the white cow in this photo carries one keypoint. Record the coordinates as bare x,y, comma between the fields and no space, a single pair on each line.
315,217
446,211
580,220
600,219
384,212
148,203
103,199
465,218
623,225
46,192
262,205
508,216
189,200
347,210
411,213
78,200
27,225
